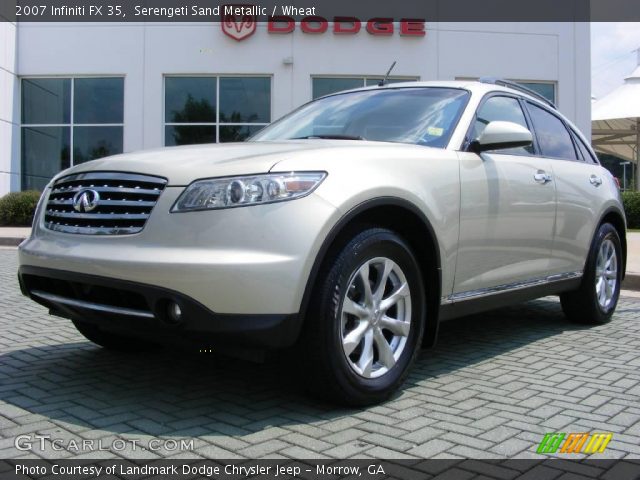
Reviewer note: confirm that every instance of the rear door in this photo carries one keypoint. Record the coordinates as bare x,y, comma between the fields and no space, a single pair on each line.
508,207
579,186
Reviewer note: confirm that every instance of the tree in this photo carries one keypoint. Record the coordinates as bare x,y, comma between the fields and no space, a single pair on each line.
194,111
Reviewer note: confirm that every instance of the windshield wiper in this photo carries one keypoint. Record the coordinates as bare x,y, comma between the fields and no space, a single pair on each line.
330,137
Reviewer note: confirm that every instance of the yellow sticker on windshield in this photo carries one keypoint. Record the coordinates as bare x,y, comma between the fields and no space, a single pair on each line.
435,131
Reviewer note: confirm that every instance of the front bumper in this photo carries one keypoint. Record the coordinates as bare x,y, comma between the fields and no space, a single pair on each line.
241,263
143,311
245,260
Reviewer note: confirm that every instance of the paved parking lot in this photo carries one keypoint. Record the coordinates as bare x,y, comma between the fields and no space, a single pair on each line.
493,387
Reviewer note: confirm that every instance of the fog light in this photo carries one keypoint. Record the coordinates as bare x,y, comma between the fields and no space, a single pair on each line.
175,312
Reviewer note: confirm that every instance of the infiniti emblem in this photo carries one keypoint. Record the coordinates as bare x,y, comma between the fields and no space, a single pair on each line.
86,201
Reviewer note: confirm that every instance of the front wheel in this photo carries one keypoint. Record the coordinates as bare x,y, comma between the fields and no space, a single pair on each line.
367,320
596,299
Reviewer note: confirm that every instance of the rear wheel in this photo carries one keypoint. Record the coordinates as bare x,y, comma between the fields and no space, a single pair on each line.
367,321
596,299
112,341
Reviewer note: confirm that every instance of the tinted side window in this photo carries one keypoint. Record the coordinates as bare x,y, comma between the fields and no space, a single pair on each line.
553,137
584,151
504,109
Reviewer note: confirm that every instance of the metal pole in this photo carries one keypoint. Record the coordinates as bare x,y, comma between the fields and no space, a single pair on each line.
624,173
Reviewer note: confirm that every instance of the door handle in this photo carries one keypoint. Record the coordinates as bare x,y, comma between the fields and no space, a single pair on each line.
542,177
595,180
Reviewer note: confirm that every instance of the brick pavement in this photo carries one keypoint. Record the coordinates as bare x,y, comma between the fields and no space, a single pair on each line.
493,386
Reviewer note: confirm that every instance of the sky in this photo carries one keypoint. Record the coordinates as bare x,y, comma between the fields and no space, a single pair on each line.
612,55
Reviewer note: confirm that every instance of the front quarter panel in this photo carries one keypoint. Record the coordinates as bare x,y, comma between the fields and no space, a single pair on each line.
425,177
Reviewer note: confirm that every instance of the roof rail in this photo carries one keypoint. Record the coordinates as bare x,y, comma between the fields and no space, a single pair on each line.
516,86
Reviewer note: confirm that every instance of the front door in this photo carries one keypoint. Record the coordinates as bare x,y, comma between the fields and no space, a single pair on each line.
507,211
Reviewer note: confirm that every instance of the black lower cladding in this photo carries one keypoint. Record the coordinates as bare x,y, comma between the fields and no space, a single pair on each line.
145,311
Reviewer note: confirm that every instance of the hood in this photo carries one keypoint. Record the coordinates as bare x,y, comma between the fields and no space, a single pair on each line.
183,165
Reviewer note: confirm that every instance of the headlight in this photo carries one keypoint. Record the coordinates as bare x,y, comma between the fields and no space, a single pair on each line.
230,192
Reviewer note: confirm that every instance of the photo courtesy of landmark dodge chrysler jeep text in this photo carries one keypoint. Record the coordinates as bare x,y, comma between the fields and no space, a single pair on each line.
347,229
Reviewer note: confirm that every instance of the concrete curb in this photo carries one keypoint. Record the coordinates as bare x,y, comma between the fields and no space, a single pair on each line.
10,241
631,281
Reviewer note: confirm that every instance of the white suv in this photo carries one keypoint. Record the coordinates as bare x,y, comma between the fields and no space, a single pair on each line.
350,229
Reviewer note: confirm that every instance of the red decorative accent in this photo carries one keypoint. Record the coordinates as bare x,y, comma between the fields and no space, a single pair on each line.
238,27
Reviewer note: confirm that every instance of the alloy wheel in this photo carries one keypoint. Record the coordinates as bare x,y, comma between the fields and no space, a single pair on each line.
606,274
375,317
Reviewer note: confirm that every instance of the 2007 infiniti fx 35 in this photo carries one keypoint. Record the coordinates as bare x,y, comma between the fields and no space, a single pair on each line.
349,228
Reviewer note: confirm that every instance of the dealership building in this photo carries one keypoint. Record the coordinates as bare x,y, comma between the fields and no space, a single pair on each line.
73,92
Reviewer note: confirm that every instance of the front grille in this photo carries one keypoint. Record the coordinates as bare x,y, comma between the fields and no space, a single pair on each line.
114,204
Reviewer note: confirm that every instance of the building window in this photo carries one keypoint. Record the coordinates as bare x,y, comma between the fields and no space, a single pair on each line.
215,109
68,121
326,85
546,89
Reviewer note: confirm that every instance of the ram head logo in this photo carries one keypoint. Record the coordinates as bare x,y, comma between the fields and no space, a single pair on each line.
238,27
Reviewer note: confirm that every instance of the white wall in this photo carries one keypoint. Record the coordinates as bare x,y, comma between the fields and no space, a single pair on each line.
9,144
143,53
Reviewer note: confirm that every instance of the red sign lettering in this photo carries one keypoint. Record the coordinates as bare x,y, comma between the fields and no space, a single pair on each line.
314,25
242,27
380,26
281,24
346,25
412,27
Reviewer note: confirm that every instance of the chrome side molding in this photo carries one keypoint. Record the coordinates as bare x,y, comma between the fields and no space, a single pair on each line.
484,292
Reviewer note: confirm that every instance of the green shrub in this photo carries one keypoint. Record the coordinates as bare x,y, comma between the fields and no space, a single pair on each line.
631,201
17,208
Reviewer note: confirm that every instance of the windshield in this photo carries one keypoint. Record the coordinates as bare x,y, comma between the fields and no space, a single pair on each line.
421,116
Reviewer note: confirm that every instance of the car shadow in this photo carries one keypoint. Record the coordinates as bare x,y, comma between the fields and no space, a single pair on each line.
173,393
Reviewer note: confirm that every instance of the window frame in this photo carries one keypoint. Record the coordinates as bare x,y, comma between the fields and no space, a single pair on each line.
364,78
577,139
217,123
71,124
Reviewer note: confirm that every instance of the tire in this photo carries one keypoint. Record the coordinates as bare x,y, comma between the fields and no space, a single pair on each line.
112,341
345,318
596,299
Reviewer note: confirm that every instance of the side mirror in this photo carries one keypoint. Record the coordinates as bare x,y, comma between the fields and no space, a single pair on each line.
500,135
